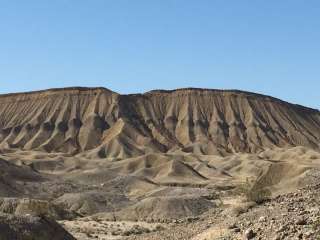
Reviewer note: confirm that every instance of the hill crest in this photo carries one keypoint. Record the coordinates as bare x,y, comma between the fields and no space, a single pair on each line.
103,123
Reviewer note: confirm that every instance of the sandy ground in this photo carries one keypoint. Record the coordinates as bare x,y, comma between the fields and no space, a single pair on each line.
86,229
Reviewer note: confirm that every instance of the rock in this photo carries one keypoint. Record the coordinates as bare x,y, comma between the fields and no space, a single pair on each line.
309,234
236,230
301,221
277,237
262,219
281,229
232,226
249,234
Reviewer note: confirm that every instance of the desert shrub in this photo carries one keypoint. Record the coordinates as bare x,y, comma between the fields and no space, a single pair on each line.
136,230
254,192
212,196
238,210
116,232
159,228
316,229
258,195
313,157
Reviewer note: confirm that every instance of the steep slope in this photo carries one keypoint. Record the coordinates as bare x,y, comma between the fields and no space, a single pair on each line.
13,177
206,121
31,227
100,123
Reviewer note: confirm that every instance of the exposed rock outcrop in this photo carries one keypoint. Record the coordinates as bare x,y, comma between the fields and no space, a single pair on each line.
103,123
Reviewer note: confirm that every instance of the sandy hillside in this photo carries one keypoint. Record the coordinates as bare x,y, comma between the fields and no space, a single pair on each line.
158,165
106,124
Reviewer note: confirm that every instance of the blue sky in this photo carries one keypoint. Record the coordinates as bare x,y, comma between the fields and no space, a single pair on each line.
271,47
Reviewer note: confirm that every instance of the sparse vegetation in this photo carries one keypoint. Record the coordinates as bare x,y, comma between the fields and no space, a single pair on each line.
159,228
316,228
255,193
136,230
158,165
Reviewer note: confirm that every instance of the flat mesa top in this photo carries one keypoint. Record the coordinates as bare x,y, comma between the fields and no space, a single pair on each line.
157,92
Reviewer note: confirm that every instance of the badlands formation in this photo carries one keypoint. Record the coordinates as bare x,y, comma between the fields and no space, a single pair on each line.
88,163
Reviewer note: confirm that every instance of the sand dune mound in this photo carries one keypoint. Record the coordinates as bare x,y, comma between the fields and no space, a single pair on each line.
287,174
105,124
160,208
181,192
288,169
88,203
159,169
131,186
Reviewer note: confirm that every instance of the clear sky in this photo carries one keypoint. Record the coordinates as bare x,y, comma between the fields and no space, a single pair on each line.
270,47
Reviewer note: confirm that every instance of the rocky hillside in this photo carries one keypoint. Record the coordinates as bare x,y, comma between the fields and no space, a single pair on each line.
102,123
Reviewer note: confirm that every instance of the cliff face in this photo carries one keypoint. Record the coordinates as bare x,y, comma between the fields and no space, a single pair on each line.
102,123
